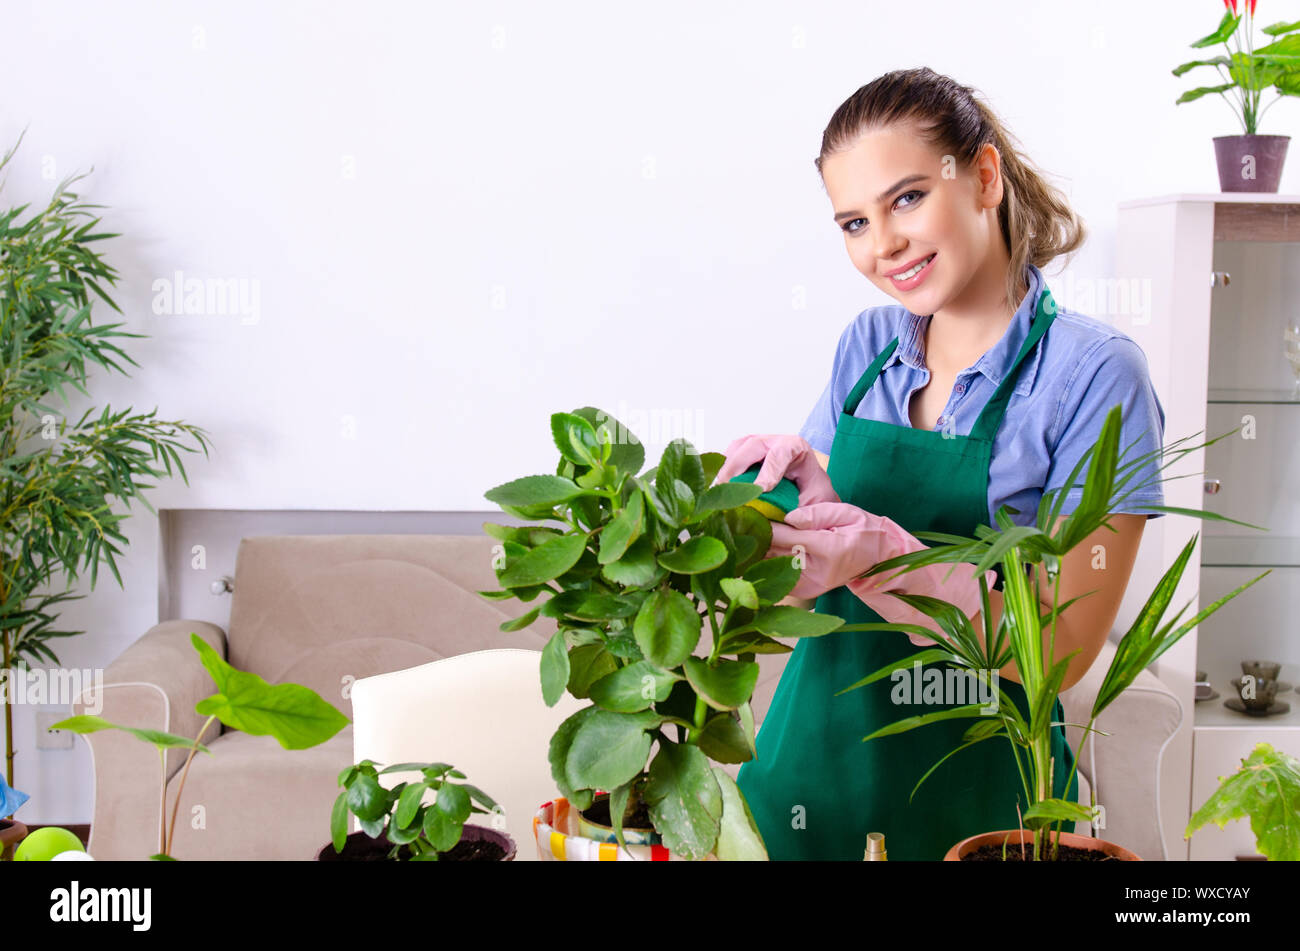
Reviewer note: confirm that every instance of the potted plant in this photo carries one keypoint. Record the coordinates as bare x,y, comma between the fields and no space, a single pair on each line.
295,715
1019,638
397,824
1265,789
1249,162
641,566
62,477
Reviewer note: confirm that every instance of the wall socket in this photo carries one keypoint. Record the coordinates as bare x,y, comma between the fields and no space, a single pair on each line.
59,739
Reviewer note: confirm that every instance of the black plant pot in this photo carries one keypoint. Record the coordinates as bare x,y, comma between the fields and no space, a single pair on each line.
1250,163
477,844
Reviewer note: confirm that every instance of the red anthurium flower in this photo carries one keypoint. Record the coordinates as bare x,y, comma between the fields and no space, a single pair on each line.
1250,4
1232,5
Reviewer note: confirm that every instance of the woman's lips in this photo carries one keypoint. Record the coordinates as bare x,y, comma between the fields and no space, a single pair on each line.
918,277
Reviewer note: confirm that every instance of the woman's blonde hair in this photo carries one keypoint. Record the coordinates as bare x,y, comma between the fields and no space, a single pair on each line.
1036,220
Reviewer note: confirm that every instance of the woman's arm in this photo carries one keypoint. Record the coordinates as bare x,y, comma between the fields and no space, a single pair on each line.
1102,564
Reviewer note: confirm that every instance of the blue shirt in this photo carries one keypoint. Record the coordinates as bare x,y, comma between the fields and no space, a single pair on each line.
1068,383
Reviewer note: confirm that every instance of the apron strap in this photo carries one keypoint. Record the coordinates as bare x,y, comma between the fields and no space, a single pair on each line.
868,377
990,418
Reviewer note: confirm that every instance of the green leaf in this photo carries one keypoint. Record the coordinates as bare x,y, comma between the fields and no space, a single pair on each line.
684,799
623,529
558,754
724,686
1227,26
738,836
588,663
701,553
87,723
521,622
454,801
367,799
296,716
609,749
627,454
724,740
637,568
339,821
555,668
773,578
535,491
1048,811
633,688
728,495
740,592
589,606
1265,789
576,439
545,562
667,628
1199,91
441,829
784,620
408,803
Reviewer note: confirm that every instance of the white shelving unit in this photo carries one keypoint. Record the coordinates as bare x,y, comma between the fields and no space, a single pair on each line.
1216,359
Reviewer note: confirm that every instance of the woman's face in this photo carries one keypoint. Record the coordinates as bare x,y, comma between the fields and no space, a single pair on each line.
900,203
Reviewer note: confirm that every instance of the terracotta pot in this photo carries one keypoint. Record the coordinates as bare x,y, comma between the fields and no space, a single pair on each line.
381,846
1016,836
1268,152
11,833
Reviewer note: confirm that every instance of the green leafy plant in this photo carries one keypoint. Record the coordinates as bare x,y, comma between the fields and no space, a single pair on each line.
59,479
1247,71
295,715
419,831
642,565
1019,635
1266,789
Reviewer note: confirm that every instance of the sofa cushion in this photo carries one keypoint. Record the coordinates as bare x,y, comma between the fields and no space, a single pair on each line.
253,799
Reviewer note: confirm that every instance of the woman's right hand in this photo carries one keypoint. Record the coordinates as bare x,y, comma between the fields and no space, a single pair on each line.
790,457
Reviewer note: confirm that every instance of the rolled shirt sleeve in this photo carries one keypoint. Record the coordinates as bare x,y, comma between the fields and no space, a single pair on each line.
1116,374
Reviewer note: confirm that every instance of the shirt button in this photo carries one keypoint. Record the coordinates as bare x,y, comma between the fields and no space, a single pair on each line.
960,387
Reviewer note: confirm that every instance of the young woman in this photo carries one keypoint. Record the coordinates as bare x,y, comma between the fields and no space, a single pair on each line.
973,391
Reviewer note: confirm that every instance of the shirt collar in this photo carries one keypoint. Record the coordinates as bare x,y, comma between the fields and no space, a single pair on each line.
994,363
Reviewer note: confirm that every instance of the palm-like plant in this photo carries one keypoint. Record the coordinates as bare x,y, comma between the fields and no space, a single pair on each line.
1019,635
59,478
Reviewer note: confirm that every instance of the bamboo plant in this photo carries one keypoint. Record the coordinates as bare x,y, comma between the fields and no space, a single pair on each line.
1019,550
60,478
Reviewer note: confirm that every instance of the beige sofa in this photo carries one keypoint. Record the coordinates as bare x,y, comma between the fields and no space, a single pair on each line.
328,610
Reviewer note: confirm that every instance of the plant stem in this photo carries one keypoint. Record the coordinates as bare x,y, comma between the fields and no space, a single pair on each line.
162,804
171,834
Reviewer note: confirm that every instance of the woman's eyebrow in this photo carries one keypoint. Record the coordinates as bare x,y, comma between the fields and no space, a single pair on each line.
885,194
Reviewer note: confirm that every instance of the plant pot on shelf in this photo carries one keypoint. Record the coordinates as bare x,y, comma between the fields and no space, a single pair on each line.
11,833
477,844
1103,851
1250,163
556,831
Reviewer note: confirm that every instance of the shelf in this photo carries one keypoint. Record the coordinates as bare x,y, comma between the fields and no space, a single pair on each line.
1250,551
1212,713
1218,198
1279,396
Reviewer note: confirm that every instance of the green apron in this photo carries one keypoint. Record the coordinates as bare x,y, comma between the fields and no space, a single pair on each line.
815,789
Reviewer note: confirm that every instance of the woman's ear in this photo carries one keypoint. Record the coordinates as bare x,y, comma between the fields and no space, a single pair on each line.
988,172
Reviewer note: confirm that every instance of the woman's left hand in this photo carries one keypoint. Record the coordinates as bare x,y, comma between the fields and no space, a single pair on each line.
834,541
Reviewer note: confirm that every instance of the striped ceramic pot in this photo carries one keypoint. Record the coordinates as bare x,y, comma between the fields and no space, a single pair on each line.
556,831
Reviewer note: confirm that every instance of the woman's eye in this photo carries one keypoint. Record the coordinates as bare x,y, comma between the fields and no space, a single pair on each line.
848,225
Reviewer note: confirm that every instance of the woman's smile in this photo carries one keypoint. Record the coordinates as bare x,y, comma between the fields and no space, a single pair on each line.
913,277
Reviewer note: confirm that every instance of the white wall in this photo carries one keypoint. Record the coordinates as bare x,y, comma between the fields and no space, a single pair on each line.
458,219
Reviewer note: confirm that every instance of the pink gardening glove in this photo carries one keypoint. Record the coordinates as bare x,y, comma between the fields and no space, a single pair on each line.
782,456
841,541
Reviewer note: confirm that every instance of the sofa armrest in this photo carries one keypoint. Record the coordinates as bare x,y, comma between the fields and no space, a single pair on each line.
1124,766
155,684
